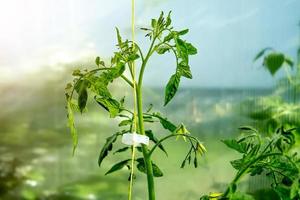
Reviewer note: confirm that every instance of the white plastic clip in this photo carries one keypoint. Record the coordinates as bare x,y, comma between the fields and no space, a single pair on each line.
135,139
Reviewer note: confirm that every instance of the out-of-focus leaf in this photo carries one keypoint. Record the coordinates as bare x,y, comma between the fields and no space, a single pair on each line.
233,144
122,150
273,62
261,53
72,126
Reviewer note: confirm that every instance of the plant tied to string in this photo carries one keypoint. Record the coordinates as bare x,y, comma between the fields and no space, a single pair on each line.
94,84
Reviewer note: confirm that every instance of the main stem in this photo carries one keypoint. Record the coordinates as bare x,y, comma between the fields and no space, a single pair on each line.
147,158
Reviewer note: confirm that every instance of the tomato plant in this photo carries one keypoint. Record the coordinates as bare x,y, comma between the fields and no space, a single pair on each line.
95,82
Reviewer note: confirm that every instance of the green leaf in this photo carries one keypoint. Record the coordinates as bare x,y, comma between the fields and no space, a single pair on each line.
170,36
295,189
118,166
133,57
152,137
81,89
82,99
191,49
109,104
107,147
168,20
273,62
162,49
233,144
182,50
289,61
122,150
183,32
184,70
261,53
171,88
125,122
142,168
97,60
165,122
248,128
153,23
241,196
72,126
119,37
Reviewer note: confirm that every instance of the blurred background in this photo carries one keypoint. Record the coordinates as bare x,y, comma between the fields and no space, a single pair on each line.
41,42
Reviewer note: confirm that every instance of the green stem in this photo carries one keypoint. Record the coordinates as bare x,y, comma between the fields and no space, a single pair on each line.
240,174
139,96
147,158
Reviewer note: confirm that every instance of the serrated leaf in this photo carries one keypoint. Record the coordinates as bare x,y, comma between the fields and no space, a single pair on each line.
171,88
118,166
184,70
72,126
273,62
151,136
107,147
142,168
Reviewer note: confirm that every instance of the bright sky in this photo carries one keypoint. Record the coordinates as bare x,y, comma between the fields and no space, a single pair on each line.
36,34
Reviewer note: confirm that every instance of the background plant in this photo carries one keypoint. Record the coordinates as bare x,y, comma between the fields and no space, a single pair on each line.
272,155
95,82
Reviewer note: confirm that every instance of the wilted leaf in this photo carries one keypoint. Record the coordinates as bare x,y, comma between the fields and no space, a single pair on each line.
107,147
72,126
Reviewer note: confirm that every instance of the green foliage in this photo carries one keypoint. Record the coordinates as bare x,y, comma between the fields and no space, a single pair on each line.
142,168
96,82
107,147
273,61
118,166
271,155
